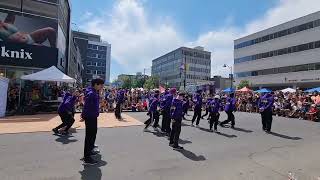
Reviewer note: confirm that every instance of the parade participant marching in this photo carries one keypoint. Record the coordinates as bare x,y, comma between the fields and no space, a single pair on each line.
66,112
153,112
229,108
186,106
214,108
166,105
119,101
90,114
265,108
197,108
209,99
176,115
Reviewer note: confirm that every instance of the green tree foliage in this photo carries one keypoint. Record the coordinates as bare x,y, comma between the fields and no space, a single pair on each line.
152,83
244,83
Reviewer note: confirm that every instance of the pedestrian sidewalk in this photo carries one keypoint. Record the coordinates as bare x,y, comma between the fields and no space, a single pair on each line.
45,122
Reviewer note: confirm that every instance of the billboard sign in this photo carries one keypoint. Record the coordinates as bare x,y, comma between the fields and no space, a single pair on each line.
27,55
28,41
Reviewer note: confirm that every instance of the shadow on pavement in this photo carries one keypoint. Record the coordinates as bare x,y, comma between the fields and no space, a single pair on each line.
156,133
219,133
181,141
93,172
226,135
204,129
285,136
190,155
242,130
65,139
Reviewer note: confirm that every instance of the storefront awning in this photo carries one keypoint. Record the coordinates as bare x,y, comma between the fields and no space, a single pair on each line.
51,74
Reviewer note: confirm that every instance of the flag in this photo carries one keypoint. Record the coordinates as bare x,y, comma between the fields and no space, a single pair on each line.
182,67
162,89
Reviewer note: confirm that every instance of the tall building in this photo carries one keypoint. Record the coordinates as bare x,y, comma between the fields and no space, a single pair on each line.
33,35
286,55
95,54
75,66
190,64
221,83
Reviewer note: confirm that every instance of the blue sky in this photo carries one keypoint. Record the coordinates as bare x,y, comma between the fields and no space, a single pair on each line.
141,30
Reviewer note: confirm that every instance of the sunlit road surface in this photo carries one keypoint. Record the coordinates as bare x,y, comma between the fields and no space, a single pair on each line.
128,153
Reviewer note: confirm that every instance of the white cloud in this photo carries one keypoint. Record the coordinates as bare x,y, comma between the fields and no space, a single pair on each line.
136,38
284,11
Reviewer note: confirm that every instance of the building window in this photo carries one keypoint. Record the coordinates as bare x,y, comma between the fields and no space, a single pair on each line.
297,68
89,63
293,49
282,33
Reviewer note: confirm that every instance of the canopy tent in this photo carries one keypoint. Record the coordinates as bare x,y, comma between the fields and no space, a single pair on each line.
228,90
264,90
313,90
245,89
50,74
290,90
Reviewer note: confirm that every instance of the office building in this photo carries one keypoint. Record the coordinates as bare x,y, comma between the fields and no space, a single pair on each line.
43,27
190,64
95,55
221,83
286,55
75,66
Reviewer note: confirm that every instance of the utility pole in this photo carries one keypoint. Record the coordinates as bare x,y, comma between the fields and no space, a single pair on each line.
185,73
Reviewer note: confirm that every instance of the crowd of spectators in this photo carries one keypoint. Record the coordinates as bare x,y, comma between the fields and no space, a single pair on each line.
292,105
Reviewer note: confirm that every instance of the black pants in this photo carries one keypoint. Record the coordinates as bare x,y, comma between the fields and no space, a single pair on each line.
166,121
214,119
154,117
67,120
207,112
117,112
266,118
196,115
175,133
91,133
230,118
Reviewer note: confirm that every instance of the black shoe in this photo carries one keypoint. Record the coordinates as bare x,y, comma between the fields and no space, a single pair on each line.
95,146
211,130
177,148
89,161
55,131
232,126
94,153
268,131
171,144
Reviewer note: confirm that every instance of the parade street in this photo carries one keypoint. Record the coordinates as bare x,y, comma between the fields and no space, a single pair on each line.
245,152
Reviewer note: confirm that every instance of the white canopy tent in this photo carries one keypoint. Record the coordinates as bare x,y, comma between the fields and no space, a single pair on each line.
290,90
52,74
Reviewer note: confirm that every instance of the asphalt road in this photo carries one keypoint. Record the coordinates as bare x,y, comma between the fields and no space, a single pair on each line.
128,153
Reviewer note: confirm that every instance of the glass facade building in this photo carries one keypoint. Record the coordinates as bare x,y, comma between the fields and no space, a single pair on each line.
191,64
96,56
286,55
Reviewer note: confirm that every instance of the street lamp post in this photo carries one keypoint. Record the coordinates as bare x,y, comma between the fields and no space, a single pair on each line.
230,75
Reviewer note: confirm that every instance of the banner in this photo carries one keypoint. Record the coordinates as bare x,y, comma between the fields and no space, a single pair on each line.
3,94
